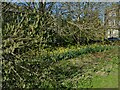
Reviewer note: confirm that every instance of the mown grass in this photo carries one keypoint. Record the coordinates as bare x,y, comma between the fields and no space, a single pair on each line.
97,70
111,79
82,71
75,67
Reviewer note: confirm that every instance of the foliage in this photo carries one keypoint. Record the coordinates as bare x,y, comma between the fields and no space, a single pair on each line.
34,40
26,32
21,71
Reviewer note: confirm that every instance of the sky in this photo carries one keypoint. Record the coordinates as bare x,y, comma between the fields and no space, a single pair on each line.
102,8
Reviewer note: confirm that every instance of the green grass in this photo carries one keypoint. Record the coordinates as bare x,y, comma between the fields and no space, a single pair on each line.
109,81
94,69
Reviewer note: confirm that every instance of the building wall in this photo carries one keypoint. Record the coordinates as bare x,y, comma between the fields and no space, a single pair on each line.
112,33
112,23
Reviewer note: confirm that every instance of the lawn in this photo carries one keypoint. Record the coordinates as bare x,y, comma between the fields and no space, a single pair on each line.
96,70
93,66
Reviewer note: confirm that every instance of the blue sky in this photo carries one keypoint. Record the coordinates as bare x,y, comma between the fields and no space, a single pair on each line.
58,5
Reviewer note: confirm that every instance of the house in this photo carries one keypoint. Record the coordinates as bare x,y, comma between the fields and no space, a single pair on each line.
112,22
